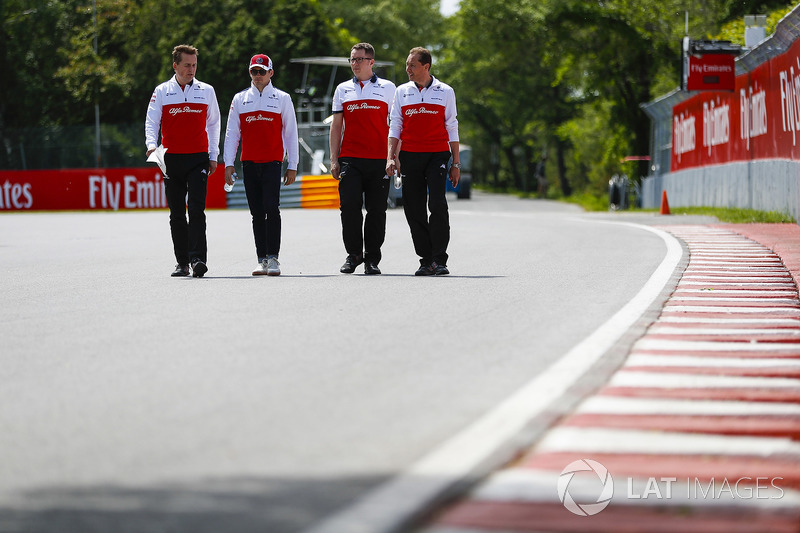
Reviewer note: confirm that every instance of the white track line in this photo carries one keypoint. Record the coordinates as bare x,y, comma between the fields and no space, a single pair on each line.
613,405
666,380
742,292
711,283
716,244
671,330
736,270
719,272
762,260
394,502
732,310
533,485
704,346
713,252
731,320
667,361
748,299
625,441
737,264
720,279
738,260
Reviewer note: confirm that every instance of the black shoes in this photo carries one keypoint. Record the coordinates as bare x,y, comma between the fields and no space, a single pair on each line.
432,270
426,270
180,271
198,268
351,263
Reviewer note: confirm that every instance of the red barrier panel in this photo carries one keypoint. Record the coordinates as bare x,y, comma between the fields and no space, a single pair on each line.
760,119
94,188
785,97
756,123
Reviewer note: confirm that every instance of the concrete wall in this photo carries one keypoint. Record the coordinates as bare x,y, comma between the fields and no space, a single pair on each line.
770,185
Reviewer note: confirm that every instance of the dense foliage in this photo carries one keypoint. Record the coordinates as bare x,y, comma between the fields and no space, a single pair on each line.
553,80
564,79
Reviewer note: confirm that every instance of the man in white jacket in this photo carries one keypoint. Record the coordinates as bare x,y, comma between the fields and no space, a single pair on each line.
263,118
359,131
187,113
423,137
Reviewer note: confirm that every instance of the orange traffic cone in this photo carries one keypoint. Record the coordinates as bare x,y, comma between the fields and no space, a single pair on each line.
664,203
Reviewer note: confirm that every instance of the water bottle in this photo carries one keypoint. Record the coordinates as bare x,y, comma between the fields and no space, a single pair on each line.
229,188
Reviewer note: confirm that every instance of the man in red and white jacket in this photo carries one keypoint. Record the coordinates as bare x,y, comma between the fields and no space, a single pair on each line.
263,118
359,130
186,111
425,129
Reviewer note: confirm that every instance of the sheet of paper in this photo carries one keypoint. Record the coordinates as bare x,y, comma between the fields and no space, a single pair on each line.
158,157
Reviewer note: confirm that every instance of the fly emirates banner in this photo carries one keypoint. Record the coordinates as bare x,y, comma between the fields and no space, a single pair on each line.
760,119
94,188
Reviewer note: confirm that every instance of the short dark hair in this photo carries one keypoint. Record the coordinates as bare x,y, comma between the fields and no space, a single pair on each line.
369,50
423,54
182,49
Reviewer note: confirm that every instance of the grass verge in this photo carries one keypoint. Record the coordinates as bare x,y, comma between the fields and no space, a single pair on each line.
736,215
733,215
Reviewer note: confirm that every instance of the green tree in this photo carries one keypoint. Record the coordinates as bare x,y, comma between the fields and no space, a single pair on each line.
393,27
31,33
733,30
610,55
562,78
53,75
504,90
136,40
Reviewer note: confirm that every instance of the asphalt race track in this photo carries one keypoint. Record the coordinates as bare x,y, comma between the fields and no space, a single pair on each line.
133,401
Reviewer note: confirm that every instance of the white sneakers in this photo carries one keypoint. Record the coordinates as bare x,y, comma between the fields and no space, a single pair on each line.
273,267
262,269
268,267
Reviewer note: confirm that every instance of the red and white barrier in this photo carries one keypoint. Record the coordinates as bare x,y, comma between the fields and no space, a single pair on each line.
760,119
93,189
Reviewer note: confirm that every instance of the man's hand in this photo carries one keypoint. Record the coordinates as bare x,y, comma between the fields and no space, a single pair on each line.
335,170
150,151
212,167
289,177
229,174
455,174
392,167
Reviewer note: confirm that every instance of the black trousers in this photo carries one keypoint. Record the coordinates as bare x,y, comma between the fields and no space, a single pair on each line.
186,185
424,180
363,178
262,185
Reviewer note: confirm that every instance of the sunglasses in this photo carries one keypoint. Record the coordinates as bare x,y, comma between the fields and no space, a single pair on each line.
258,71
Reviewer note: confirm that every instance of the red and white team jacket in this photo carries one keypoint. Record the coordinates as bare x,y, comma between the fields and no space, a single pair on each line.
188,118
266,124
366,116
425,121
